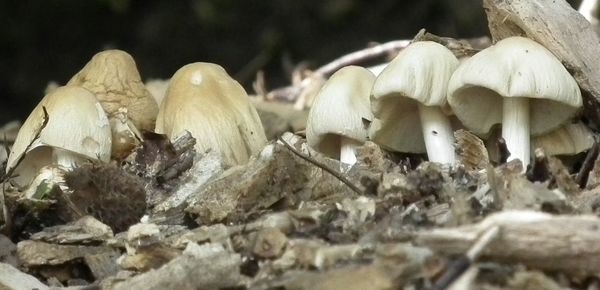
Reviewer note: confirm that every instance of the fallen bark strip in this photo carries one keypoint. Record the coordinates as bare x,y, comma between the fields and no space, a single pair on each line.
12,278
210,267
561,29
535,239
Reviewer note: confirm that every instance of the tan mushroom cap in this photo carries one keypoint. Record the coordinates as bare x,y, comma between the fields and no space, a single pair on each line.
569,139
204,100
418,74
341,109
113,77
76,124
513,67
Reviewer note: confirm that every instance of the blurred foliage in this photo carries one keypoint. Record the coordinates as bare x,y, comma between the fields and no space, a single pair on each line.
41,41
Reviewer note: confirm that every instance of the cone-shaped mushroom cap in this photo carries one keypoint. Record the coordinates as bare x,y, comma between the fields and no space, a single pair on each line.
513,67
204,100
569,139
418,74
341,109
76,124
113,77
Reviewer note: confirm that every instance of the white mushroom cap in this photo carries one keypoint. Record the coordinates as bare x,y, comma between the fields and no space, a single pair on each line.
513,67
569,139
418,74
204,100
77,126
113,77
341,109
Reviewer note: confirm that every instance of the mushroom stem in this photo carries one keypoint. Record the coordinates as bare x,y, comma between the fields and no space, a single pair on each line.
348,150
515,128
438,134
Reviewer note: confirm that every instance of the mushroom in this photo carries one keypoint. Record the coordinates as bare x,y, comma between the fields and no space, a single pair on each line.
77,130
157,88
339,118
113,77
518,83
204,100
407,101
569,139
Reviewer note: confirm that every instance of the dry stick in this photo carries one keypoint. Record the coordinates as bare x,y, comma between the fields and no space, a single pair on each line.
460,266
322,166
294,91
588,164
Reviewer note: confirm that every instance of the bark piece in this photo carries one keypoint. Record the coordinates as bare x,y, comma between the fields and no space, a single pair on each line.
103,264
200,267
537,240
267,179
33,253
471,151
84,230
13,279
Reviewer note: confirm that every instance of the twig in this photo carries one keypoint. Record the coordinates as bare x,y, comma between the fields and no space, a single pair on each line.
322,166
362,55
290,93
588,164
459,266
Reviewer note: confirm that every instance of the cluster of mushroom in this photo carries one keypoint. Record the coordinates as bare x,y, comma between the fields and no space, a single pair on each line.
407,108
98,116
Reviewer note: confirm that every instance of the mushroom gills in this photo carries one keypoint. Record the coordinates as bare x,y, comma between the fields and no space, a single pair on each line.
66,159
437,133
515,128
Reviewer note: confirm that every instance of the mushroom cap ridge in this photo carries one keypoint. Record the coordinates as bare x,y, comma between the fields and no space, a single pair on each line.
113,77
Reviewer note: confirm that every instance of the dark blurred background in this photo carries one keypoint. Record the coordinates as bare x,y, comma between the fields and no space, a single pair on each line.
50,40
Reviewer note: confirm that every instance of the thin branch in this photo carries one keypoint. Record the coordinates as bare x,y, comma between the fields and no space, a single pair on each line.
587,166
362,55
322,166
290,93
460,265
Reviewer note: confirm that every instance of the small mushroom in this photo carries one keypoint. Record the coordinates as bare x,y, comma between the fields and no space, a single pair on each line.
113,77
77,130
204,100
569,139
339,118
407,101
157,88
517,83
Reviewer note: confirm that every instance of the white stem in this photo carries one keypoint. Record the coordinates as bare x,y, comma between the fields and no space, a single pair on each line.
348,150
438,134
515,128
